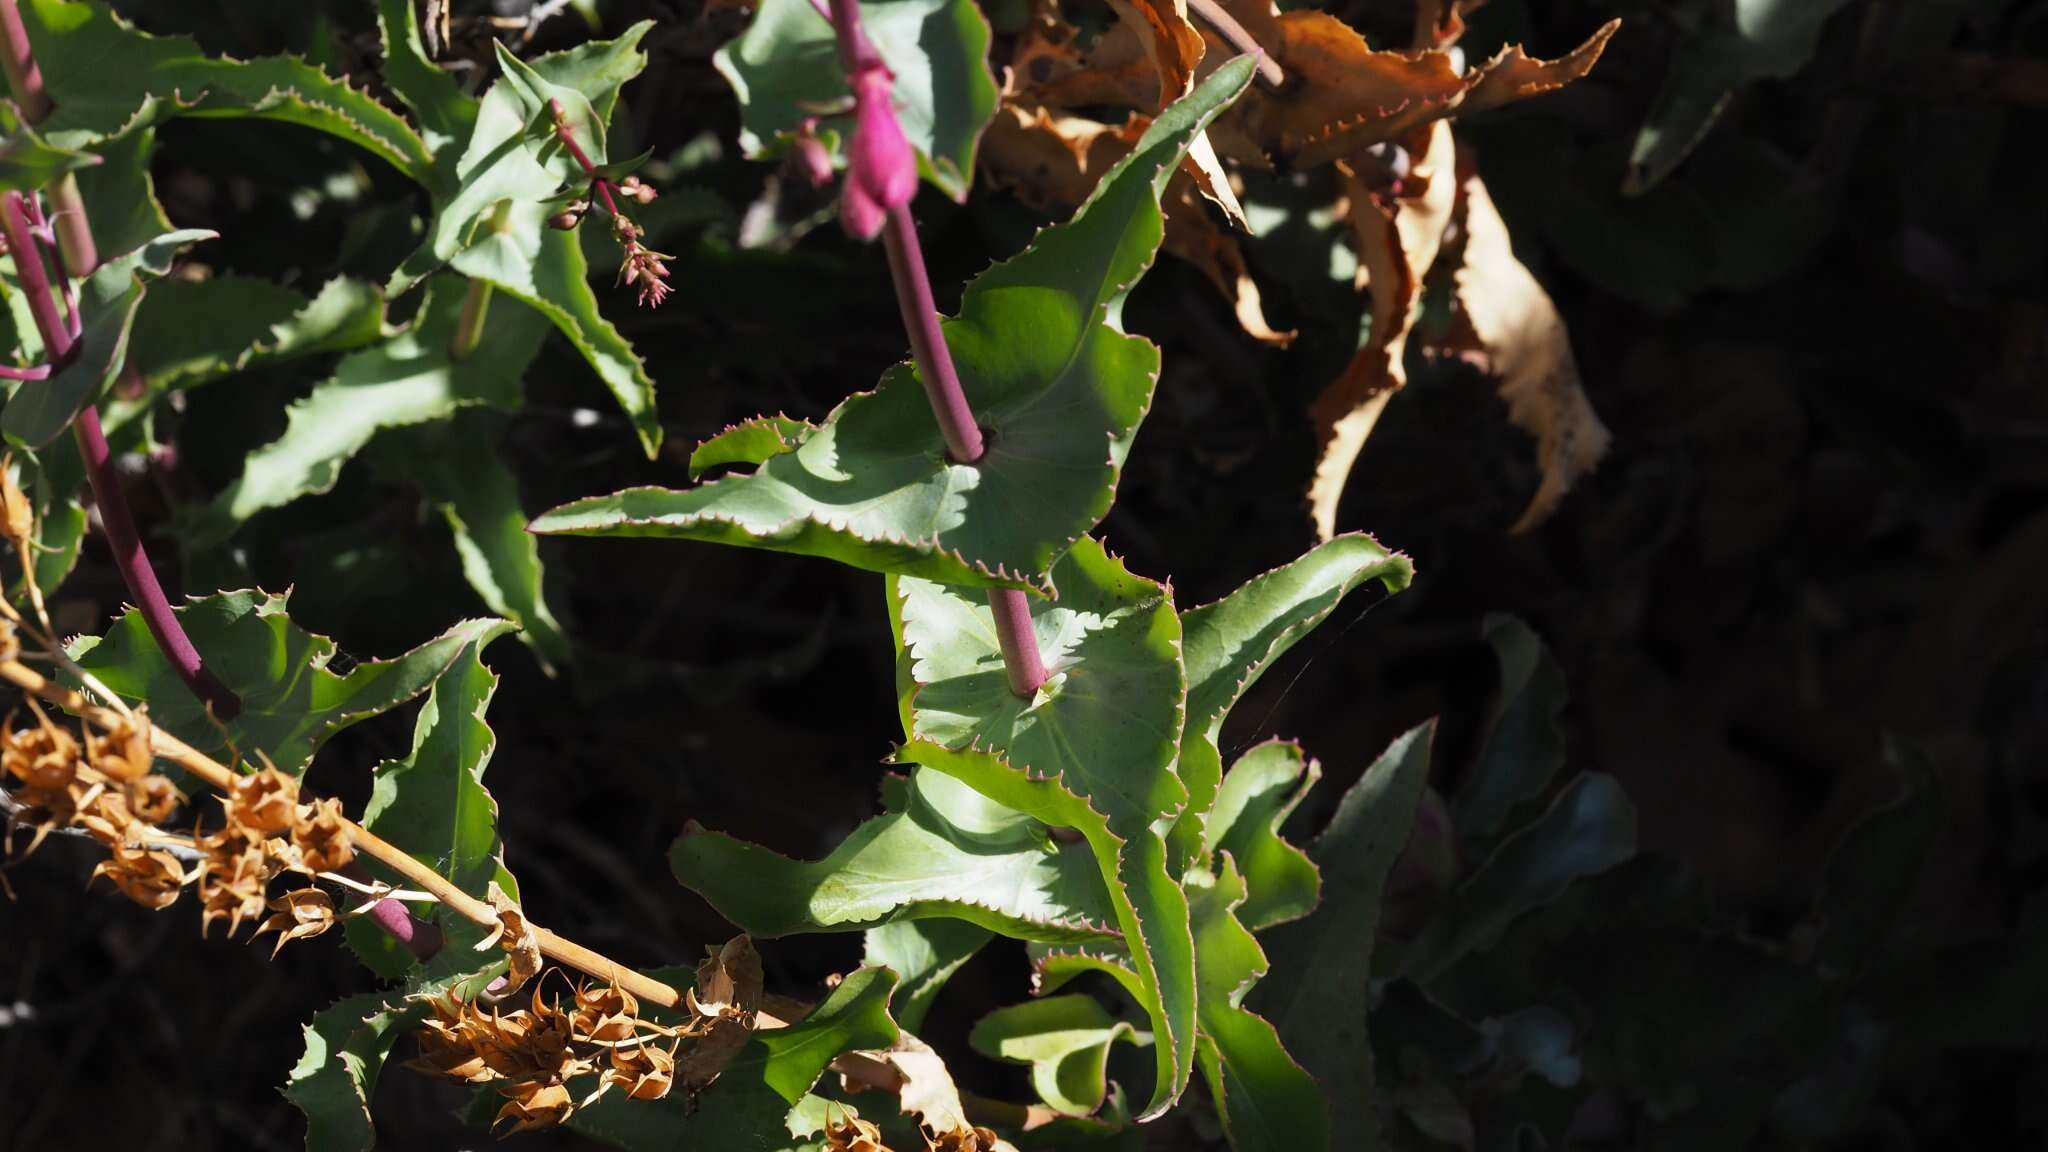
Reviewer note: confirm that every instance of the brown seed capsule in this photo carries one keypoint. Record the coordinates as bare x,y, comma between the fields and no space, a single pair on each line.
299,915
322,836
150,878
17,513
153,799
263,804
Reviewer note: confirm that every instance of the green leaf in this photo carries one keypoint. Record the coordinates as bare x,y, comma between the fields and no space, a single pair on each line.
747,1108
1001,871
292,702
120,197
1093,750
432,805
1768,38
27,163
1524,745
39,411
460,471
491,203
1231,643
107,78
750,442
1257,795
191,332
51,479
1045,368
924,954
446,114
785,66
1870,875
1267,1102
1589,828
545,268
336,1076
1065,1040
1321,966
411,378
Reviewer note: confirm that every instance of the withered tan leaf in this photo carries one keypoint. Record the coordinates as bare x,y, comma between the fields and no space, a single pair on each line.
710,1051
1513,75
515,937
729,980
1194,237
1522,340
1397,238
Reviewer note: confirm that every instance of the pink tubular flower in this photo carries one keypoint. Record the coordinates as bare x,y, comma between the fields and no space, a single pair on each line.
881,170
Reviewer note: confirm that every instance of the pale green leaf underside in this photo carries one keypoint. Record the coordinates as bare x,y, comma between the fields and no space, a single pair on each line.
924,954
749,442
291,701
1045,369
1093,751
411,378
1258,794
1065,1040
1229,644
785,66
1266,1101
107,78
1009,878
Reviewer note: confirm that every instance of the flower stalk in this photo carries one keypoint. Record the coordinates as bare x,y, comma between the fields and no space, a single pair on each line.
642,267
881,181
60,343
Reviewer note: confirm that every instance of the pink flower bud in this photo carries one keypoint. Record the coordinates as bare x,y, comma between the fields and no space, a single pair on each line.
881,171
811,157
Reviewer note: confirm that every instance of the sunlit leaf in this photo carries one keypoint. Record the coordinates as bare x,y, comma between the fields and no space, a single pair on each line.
1046,370
1066,1041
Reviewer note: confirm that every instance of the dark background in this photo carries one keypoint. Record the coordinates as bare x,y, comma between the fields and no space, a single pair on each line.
1821,346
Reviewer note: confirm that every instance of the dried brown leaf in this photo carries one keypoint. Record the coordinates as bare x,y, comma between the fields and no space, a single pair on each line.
1522,340
1397,237
1194,237
515,937
728,980
710,1052
1513,75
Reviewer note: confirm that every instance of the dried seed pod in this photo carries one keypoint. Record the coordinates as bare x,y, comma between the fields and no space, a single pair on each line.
961,1140
300,915
10,642
44,758
150,878
123,752
109,817
645,1072
153,799
322,836
448,1045
850,1133
604,1014
531,1105
17,512
263,804
232,878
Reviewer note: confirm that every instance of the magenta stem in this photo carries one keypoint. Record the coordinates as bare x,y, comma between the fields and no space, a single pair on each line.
582,158
24,76
928,339
1021,661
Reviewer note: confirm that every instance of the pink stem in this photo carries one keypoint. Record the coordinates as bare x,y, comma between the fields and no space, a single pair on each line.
1021,661
928,340
582,158
24,77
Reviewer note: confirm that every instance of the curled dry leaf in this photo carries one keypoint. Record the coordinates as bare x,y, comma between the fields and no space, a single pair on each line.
1517,335
728,981
1397,235
515,937
1513,75
712,1050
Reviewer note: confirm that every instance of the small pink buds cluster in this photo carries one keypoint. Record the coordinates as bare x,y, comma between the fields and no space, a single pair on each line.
642,267
881,168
